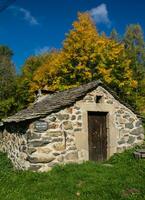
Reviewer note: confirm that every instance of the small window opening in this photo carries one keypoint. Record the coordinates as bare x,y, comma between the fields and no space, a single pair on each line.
98,99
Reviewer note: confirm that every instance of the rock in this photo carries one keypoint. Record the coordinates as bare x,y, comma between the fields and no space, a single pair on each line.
34,167
57,139
38,143
138,123
120,149
88,98
140,137
129,126
78,113
53,163
31,150
109,102
79,124
23,148
71,155
131,119
126,116
54,133
122,141
53,125
120,111
72,148
131,140
77,108
79,117
70,110
59,147
122,120
56,153
63,152
77,129
68,125
40,158
70,139
137,131
73,117
60,158
44,149
23,156
34,135
63,116
52,119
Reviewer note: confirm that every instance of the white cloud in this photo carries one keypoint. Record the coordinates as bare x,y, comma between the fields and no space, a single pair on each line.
42,50
100,14
25,14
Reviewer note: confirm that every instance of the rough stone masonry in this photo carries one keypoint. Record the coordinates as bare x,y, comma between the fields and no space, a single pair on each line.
66,137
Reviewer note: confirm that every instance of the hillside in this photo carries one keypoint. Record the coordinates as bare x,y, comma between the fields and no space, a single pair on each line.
122,177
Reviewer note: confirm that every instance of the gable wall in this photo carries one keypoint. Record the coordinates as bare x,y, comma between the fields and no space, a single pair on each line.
124,127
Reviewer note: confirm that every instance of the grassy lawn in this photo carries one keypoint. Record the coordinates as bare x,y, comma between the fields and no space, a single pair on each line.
123,179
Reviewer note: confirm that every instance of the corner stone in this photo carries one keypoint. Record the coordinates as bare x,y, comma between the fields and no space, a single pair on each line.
41,158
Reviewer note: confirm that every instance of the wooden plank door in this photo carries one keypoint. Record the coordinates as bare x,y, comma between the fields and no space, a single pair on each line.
97,135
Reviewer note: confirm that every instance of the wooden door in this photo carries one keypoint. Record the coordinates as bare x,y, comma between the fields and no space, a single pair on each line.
97,135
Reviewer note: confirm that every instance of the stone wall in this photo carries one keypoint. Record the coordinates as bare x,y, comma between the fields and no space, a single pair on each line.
15,145
130,129
40,151
57,144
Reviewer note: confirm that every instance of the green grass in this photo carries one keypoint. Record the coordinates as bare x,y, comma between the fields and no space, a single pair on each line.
125,179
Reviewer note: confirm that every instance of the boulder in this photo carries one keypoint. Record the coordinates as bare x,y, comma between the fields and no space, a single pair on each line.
73,155
40,158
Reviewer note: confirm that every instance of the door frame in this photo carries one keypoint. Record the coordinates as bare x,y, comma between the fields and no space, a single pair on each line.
112,132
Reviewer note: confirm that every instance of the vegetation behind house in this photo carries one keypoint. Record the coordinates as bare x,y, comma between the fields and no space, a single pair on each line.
86,55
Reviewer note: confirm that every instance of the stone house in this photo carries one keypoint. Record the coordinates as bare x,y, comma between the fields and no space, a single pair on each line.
89,122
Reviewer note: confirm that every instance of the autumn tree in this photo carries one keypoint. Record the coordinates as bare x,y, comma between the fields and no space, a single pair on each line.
25,79
47,75
89,56
85,56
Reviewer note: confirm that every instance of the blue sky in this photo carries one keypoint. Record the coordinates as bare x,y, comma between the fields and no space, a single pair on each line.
33,26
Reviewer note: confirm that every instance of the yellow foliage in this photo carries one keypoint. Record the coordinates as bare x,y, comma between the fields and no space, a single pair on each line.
85,56
134,84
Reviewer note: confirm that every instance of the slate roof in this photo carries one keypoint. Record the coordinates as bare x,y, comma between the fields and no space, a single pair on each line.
57,101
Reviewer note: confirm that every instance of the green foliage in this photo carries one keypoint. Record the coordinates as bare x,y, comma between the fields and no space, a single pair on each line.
7,106
135,50
122,178
115,36
86,55
7,81
6,51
